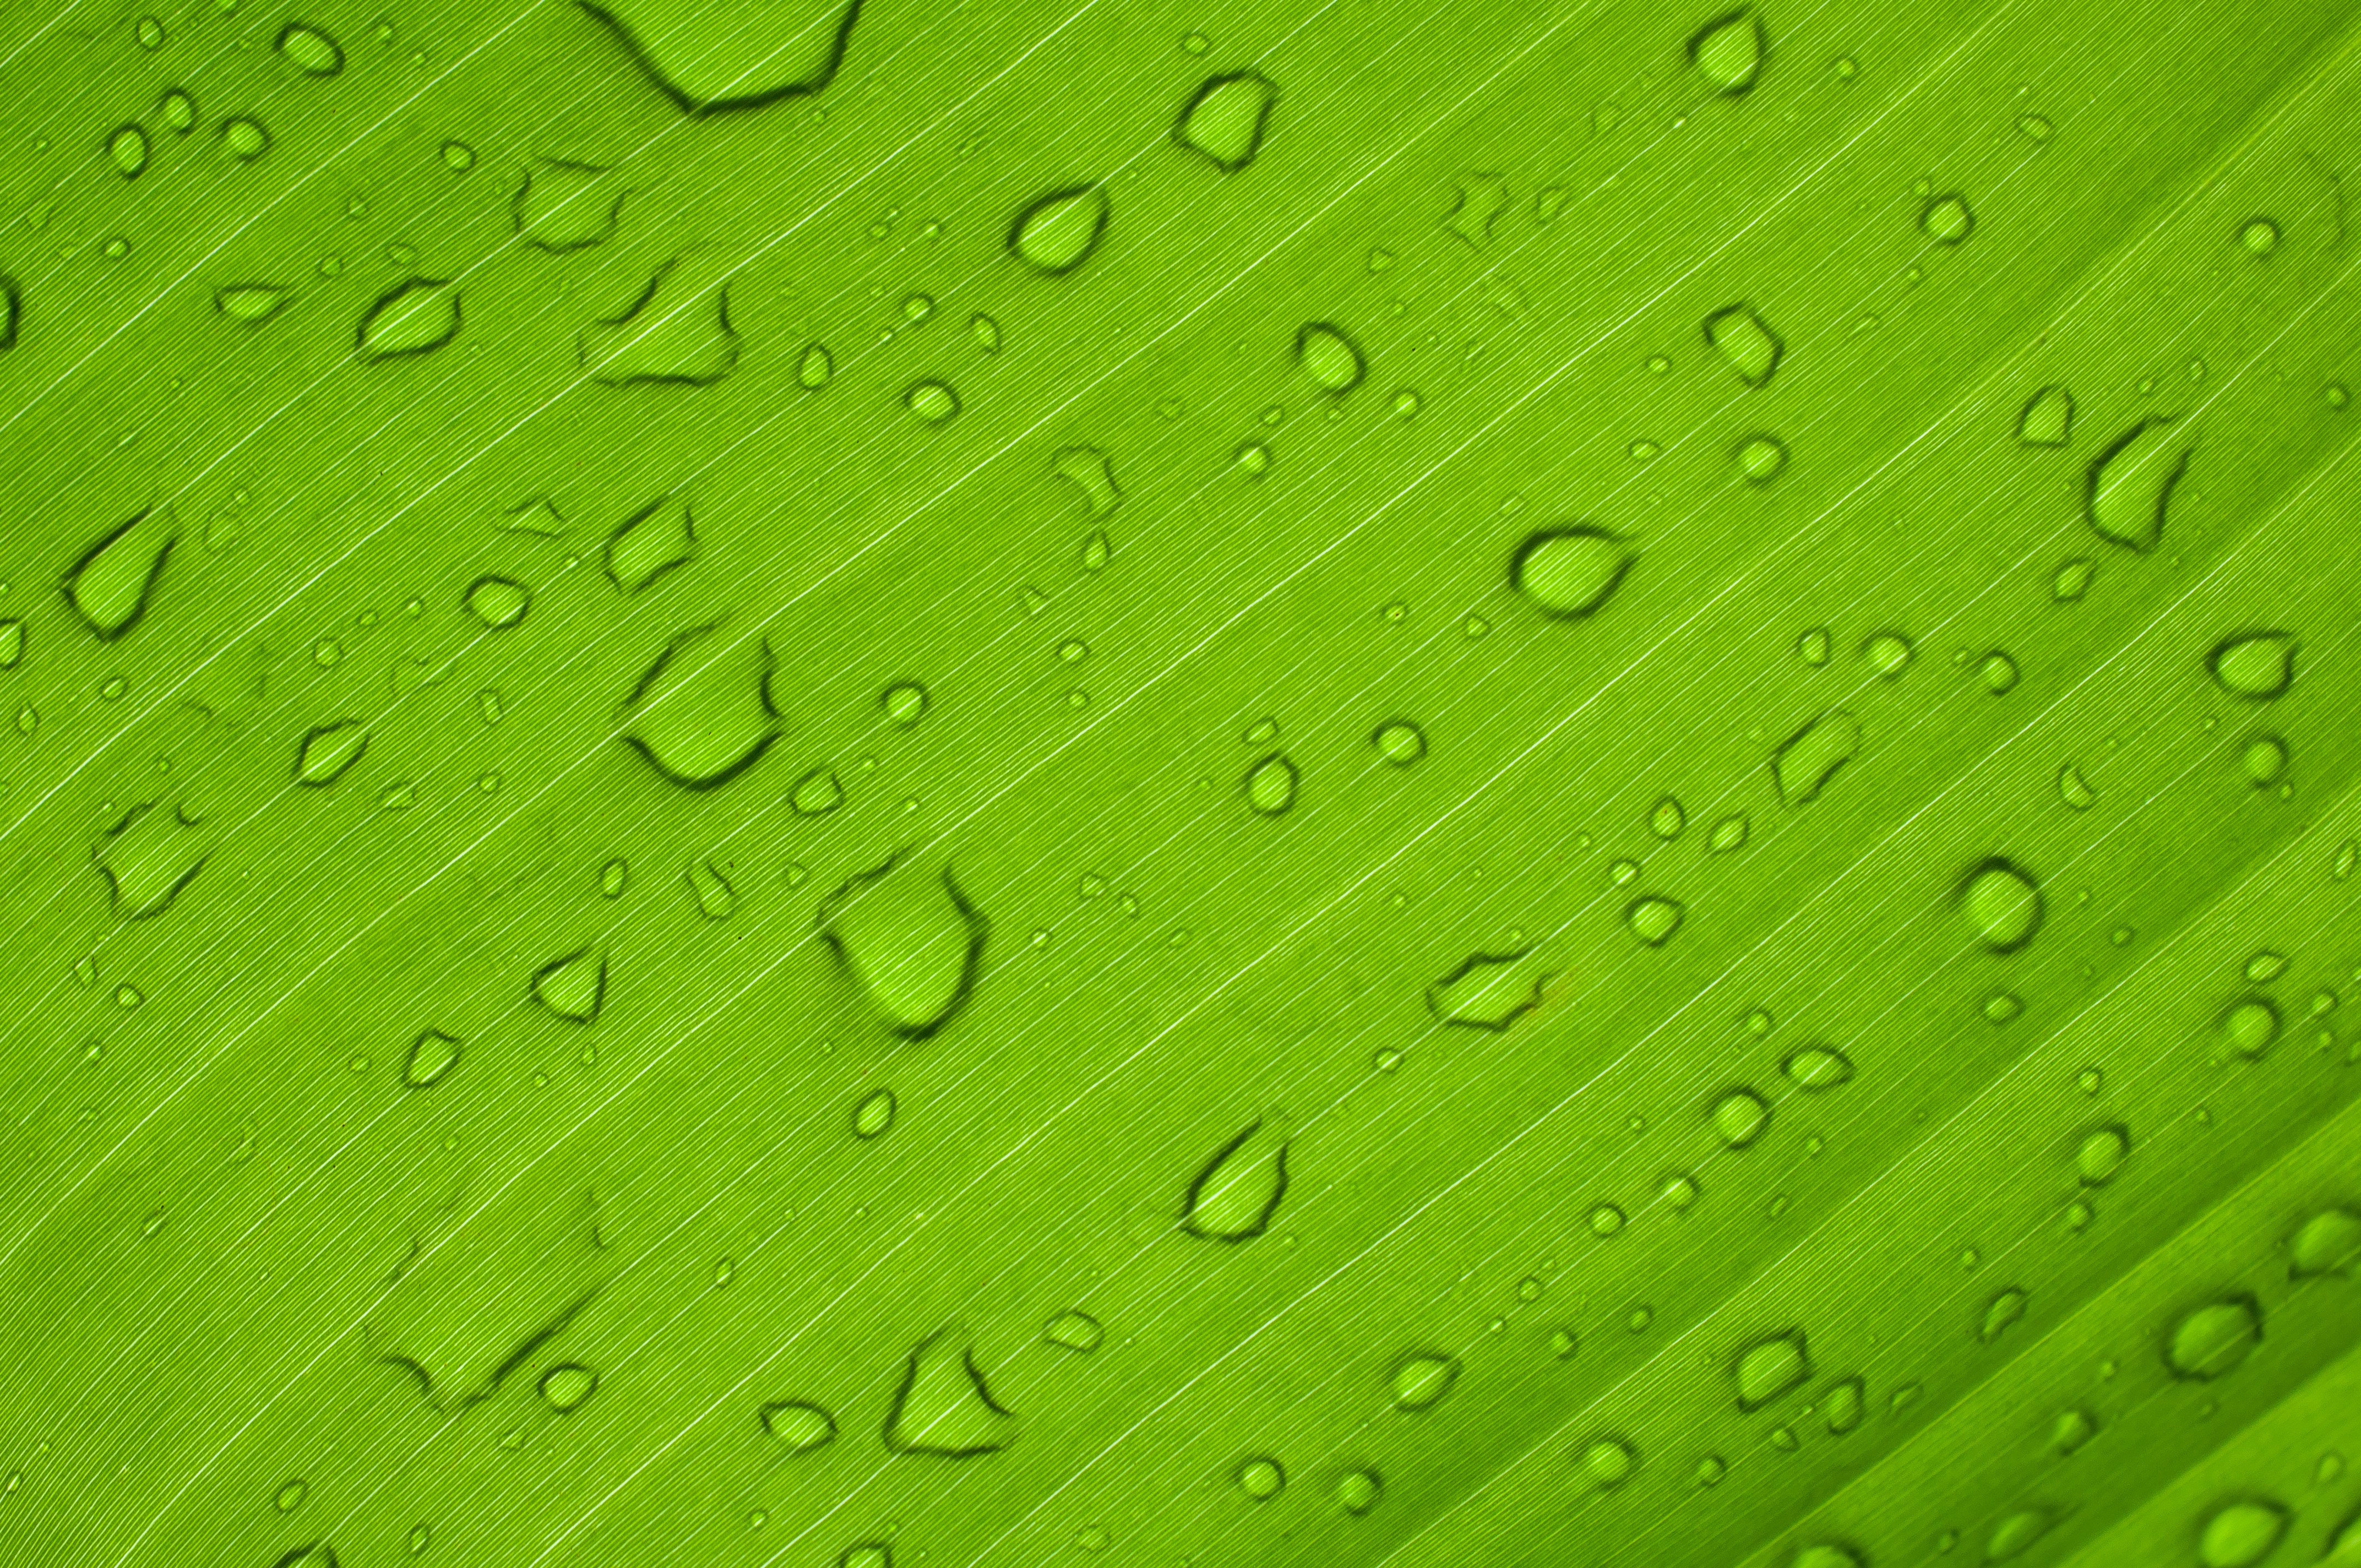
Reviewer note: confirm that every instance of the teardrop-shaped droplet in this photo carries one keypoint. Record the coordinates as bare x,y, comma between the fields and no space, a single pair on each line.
417,317
1234,1196
2129,487
873,1117
110,587
1570,571
1224,123
432,1056
128,149
2241,1533
816,368
1655,918
1421,1379
327,752
2328,1243
799,1425
1727,51
1741,1117
1058,232
2254,666
309,49
573,986
1946,219
2047,419
945,1409
911,941
250,302
2101,1153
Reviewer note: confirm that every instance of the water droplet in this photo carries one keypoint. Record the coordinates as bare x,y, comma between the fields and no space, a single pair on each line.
1741,1117
1808,759
1407,403
1358,1491
416,317
2241,1533
1225,120
1817,1068
1563,1344
1399,741
291,1497
1489,991
1609,1460
1569,572
945,1409
912,942
799,1425
1727,51
677,333
567,1385
1262,1478
1606,1220
2003,905
1668,818
1655,918
148,857
1270,786
2265,761
1844,1404
1761,457
2250,1027
2101,1153
1745,341
2046,420
1326,354
1058,232
1710,1469
2327,1243
2212,1340
328,750
1887,654
563,205
432,1054
1946,219
1478,201
421,1536
2074,790
2129,487
613,877
1074,1331
2002,1311
1423,1378
1999,672
244,138
129,147
1253,457
698,720
1826,1555
109,588
1770,1366
150,33
309,49
1238,1191
2016,1532
1089,470
2254,666
2259,236
933,401
499,602
573,986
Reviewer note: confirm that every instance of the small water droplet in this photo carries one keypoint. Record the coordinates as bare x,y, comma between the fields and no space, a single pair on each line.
1808,759
1326,354
1238,1191
1609,1460
1270,786
413,318
1946,219
2254,666
1421,1379
1262,1478
1570,571
2259,236
2250,1027
499,603
1667,821
291,1497
2003,903
1253,459
2074,790
1359,1491
1075,1331
798,1425
2264,760
567,1385
1745,342
1999,672
2328,1243
1399,741
933,401
1741,1117
573,986
1655,918
1817,1068
309,49
2001,1313
1057,233
2128,490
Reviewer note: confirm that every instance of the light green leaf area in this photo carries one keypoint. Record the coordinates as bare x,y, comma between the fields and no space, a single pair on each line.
1568,786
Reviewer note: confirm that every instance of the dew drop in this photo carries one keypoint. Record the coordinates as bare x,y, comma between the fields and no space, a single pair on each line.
798,1425
567,1386
432,1056
2259,236
932,402
311,51
499,603
573,986
1653,918
2128,490
1074,1331
2074,790
1399,741
1946,219
1329,357
1817,1069
1262,1478
2047,419
1057,232
1844,1406
2250,1027
1667,821
2016,1532
1225,121
1359,1491
109,588
1422,1379
1569,572
945,1409
2241,1533
1741,1117
1999,672
1270,786
1808,759
2254,666
1770,1367
913,943
1608,1461
414,318
2002,1313
2101,1153
1745,342
2214,1339
1728,52
328,750
2327,1243
2003,903
128,149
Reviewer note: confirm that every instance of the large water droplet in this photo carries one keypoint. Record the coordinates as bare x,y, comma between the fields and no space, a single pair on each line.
432,1054
244,138
2047,419
1324,352
2250,1026
2214,1340
1817,1068
2254,666
1569,572
1089,470
1808,759
1270,786
1225,121
109,588
1727,51
2003,905
1234,1196
2101,1153
1741,1117
740,55
911,941
327,752
1770,1366
2241,1533
1746,342
148,857
566,206
677,333
311,49
573,986
658,538
799,1425
1423,1378
2129,487
1399,741
2328,1243
944,1407
416,317
2016,1532
1058,232
128,149
1489,991
699,718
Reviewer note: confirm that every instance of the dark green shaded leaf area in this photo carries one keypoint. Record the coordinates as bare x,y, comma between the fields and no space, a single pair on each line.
1295,786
